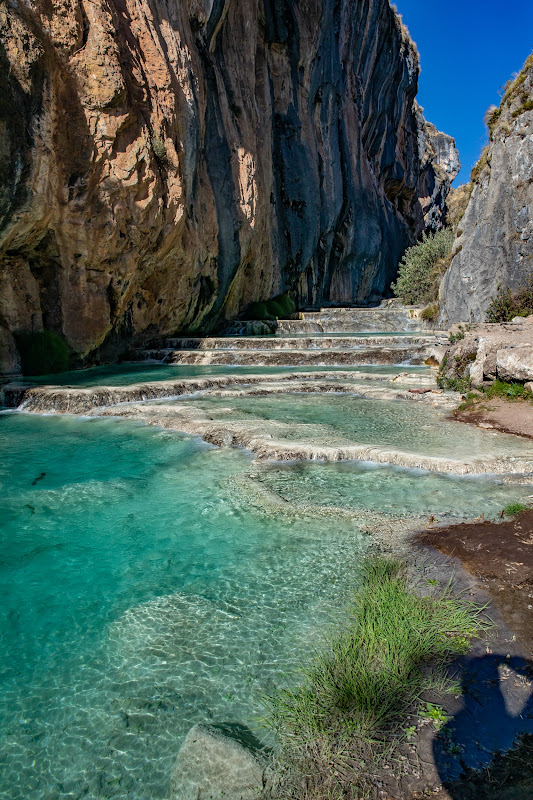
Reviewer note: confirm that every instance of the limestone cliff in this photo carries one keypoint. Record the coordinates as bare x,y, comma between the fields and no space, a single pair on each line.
495,236
165,162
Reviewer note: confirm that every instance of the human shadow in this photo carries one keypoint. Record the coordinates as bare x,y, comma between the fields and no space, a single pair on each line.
496,708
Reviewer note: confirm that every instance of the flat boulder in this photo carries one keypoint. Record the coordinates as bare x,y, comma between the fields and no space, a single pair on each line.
515,363
215,765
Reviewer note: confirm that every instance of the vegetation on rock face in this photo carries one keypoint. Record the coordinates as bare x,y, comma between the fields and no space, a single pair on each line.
514,91
422,267
508,304
280,307
362,692
430,313
42,352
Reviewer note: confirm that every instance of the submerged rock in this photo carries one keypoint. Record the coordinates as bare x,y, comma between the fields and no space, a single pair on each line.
212,765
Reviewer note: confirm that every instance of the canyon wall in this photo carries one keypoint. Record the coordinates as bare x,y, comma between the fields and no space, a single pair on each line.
495,237
165,162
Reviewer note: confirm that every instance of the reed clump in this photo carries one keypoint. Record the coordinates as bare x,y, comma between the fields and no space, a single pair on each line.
358,697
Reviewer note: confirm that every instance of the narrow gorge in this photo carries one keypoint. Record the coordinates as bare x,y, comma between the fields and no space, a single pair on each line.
266,411
164,165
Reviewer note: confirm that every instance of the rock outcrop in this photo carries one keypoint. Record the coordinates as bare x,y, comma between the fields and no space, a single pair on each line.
495,236
492,351
164,164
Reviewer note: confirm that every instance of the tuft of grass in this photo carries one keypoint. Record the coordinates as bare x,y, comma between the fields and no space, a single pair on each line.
351,705
514,508
42,352
431,312
508,390
527,105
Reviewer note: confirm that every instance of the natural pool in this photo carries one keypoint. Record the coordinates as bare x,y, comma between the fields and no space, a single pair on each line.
342,419
144,589
135,372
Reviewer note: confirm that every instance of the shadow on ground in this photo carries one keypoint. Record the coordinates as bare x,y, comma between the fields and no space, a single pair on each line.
496,713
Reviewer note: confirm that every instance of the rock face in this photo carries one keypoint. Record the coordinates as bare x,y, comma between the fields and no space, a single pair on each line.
163,164
488,352
495,236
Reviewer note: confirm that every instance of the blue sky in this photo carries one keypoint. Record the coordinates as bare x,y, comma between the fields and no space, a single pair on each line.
468,50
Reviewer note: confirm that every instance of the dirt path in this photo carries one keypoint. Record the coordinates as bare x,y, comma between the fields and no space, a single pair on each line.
500,554
503,415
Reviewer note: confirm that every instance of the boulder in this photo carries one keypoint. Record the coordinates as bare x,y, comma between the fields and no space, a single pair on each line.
213,765
515,363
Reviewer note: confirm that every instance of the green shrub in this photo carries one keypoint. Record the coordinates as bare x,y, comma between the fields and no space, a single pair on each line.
422,268
508,304
456,384
159,149
258,311
42,352
459,336
365,684
430,313
280,307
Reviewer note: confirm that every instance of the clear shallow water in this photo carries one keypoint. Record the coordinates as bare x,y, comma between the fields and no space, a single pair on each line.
126,374
340,420
144,589
390,490
141,593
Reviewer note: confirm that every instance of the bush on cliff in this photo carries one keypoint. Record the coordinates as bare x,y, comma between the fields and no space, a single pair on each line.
279,307
42,352
422,267
508,304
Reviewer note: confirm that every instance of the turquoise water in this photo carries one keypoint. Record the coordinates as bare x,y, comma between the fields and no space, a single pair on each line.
390,490
149,582
342,419
141,593
126,374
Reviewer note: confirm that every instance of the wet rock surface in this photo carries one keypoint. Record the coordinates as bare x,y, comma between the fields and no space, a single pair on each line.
213,764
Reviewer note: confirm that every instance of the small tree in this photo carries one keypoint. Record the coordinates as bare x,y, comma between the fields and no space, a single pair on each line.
506,304
422,267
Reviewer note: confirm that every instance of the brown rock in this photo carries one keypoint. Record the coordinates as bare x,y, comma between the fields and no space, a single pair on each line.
164,165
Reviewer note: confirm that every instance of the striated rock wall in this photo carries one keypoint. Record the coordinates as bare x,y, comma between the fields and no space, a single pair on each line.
163,163
495,236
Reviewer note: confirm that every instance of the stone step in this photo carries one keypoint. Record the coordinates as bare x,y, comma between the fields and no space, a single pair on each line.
323,342
356,320
414,354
